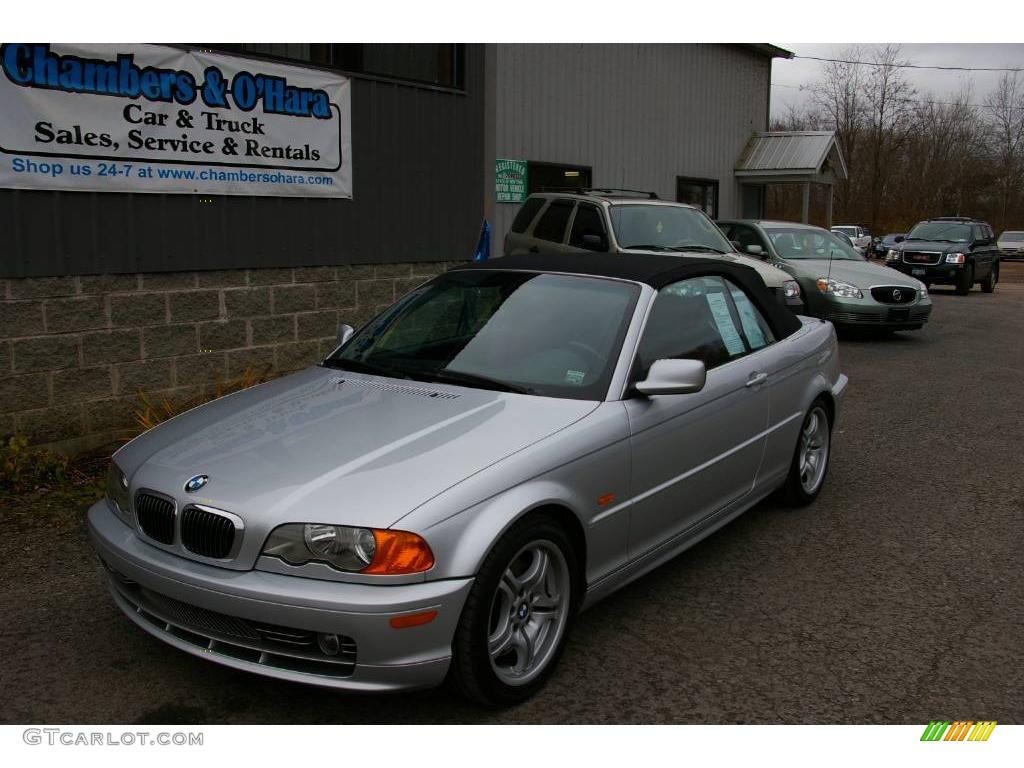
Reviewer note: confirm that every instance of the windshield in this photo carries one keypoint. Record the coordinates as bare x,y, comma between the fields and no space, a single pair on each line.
666,227
943,231
794,243
851,231
1012,237
550,335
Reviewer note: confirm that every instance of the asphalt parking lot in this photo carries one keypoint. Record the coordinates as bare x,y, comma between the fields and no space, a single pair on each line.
896,598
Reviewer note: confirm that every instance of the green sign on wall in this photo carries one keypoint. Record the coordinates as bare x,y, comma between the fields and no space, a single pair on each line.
510,180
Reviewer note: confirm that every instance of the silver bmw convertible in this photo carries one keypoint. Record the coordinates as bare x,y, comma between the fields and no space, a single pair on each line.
504,446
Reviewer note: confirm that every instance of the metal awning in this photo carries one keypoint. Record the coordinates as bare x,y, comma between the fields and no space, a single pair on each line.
791,156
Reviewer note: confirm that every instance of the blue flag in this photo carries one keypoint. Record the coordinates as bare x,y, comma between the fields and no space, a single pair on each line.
483,246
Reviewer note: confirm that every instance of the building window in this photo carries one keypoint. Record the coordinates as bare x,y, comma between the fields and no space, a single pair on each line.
552,176
440,64
703,193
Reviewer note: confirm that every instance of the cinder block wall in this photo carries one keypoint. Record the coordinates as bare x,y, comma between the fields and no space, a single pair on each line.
75,351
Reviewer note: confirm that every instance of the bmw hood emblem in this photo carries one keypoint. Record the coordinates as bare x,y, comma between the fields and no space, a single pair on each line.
195,483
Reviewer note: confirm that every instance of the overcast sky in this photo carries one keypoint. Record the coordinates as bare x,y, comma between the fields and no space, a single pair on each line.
941,83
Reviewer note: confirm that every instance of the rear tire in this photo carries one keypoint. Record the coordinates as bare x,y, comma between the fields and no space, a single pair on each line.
809,467
517,615
988,285
965,281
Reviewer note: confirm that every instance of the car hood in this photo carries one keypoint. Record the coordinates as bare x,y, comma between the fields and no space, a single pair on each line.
339,447
932,245
862,274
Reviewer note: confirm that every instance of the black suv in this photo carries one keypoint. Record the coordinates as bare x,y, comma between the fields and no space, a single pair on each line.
949,251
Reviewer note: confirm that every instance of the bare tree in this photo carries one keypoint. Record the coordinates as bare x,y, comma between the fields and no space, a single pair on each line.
1004,109
839,95
890,102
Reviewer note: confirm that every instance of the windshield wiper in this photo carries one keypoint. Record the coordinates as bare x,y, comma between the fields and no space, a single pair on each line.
361,366
472,380
705,248
646,247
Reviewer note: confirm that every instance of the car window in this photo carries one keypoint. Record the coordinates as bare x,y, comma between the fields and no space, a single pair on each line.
796,243
587,222
666,227
1012,237
550,335
745,235
756,331
526,214
692,319
552,222
941,231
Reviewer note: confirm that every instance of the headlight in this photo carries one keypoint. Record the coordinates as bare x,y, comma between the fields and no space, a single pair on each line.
955,258
117,490
350,549
922,290
791,289
892,255
839,288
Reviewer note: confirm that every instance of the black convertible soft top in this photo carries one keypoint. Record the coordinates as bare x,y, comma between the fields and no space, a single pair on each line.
656,271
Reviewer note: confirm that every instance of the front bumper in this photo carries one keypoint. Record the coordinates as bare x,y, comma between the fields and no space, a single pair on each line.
864,314
254,620
941,274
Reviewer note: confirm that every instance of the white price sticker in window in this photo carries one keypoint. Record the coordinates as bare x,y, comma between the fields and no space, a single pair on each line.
723,321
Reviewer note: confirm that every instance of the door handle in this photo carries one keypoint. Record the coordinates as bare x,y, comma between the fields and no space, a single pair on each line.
756,378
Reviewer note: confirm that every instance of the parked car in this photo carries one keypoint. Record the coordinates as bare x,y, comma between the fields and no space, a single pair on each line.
507,444
626,221
882,245
949,251
859,236
838,283
1011,245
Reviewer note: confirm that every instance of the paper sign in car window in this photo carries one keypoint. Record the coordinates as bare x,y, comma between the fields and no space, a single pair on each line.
723,321
751,326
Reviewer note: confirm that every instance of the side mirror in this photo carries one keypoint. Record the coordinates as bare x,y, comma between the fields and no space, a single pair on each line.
673,377
755,250
345,332
595,242
899,239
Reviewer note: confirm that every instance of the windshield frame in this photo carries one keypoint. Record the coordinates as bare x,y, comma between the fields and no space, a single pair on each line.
719,246
596,391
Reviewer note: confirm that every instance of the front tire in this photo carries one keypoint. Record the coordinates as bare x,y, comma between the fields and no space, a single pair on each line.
810,459
513,627
966,281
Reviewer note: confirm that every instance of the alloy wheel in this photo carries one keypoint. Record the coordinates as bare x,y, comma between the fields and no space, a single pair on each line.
814,445
529,612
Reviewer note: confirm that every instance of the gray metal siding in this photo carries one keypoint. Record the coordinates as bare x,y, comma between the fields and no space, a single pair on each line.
639,115
418,156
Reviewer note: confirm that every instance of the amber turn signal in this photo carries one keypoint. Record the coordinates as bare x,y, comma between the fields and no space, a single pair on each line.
412,619
399,552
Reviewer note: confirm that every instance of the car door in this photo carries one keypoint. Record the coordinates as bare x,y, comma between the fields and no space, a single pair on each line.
588,232
693,454
549,233
517,237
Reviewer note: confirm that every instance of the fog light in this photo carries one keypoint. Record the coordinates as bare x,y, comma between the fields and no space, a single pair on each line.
329,644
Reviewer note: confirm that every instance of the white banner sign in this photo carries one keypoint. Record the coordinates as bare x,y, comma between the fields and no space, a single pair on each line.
147,118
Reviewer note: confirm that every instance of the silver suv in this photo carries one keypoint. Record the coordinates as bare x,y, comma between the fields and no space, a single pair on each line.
626,221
